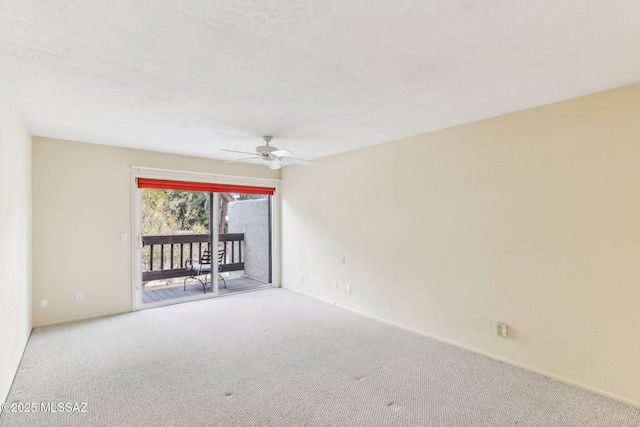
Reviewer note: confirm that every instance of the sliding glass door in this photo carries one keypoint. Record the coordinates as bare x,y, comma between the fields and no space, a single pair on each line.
200,240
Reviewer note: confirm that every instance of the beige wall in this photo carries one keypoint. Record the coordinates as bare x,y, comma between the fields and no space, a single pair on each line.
82,202
15,240
532,218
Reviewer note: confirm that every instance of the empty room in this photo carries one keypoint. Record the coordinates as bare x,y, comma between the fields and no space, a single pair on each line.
424,213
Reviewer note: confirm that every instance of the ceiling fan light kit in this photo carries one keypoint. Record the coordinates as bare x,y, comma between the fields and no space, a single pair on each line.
272,156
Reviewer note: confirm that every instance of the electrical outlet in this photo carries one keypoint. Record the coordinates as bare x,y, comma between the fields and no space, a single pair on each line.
79,297
347,287
502,329
335,284
302,277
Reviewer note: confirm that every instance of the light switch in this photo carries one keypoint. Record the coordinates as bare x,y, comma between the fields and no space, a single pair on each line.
123,237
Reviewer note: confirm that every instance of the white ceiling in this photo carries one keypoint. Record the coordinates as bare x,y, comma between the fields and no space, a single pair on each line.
325,76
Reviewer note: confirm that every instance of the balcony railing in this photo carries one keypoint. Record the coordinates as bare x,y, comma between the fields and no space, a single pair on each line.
164,256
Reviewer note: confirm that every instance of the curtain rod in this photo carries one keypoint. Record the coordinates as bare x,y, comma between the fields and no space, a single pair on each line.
215,175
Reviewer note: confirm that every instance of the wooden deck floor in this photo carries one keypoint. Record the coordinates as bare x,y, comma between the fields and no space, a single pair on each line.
194,288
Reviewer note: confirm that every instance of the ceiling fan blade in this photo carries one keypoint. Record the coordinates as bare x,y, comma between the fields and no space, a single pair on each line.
298,161
282,153
242,160
241,152
274,164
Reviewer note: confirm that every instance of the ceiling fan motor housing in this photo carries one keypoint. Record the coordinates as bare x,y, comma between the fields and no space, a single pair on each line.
264,149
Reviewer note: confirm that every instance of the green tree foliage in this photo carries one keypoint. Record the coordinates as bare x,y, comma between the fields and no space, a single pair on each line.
174,212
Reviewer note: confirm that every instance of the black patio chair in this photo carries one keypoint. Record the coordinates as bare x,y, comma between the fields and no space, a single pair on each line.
201,268
221,254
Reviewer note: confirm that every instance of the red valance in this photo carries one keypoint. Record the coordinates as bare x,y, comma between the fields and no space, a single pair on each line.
202,186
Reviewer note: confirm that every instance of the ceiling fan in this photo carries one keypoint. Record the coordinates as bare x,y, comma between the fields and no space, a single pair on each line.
273,156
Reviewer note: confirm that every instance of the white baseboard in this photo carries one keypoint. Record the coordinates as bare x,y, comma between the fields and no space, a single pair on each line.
80,318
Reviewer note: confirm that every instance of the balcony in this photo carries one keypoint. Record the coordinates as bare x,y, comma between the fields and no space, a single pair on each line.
164,257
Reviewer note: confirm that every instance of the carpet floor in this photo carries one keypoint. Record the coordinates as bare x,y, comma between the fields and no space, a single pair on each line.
277,358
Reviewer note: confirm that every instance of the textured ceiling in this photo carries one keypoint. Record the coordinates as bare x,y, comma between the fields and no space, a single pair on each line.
192,77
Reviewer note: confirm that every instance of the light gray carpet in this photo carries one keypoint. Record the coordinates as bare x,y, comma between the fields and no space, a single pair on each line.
276,358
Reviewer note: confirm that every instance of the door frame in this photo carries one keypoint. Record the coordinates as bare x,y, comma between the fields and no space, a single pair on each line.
136,226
